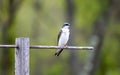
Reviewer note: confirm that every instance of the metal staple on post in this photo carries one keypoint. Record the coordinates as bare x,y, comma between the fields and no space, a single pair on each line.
22,56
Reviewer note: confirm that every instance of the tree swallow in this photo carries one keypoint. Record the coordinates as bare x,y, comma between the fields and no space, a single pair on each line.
63,38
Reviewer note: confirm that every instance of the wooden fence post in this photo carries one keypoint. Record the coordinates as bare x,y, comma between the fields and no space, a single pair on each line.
22,56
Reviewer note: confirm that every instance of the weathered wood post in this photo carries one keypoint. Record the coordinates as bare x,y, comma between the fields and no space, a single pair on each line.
22,56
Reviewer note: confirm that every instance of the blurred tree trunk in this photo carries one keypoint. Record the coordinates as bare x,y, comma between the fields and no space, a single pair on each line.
98,34
96,40
113,12
73,59
7,38
35,31
37,7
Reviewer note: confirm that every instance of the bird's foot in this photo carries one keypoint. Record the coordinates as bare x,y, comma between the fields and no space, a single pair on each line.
65,46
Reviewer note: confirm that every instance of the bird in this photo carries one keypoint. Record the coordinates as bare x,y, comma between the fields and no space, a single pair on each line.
63,38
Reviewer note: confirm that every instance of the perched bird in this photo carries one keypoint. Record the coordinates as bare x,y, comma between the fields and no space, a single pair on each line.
63,38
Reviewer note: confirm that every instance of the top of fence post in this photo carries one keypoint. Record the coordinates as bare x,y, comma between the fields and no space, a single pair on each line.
22,56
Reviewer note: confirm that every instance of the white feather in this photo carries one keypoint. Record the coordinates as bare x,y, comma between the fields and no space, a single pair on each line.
64,37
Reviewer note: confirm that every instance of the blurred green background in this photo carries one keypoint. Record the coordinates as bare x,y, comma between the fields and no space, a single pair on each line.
93,23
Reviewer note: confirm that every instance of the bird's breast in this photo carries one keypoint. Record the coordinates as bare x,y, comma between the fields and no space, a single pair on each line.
63,38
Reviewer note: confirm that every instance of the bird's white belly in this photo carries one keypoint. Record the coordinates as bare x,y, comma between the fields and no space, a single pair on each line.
63,39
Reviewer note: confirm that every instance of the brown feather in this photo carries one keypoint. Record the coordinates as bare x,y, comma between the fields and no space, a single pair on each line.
59,36
60,50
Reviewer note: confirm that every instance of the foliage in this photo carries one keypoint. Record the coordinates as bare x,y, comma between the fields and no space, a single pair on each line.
40,20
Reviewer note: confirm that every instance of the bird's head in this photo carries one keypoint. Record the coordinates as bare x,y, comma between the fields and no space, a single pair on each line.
66,25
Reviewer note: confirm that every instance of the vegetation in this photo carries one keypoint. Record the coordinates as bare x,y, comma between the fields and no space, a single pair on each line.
93,23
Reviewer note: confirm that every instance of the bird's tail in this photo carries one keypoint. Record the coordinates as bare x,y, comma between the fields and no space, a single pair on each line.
58,52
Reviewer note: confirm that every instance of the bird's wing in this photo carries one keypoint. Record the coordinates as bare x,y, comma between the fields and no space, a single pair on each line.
59,36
